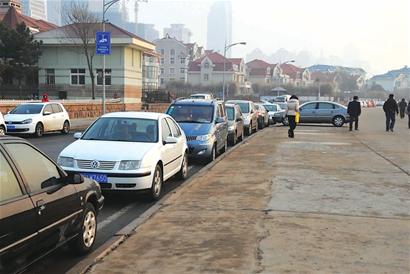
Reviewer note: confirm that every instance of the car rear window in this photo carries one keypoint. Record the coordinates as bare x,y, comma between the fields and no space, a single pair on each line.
192,113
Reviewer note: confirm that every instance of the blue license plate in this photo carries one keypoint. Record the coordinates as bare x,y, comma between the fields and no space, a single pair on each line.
100,178
9,127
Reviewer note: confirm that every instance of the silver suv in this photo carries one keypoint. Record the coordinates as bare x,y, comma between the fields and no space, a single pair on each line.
250,115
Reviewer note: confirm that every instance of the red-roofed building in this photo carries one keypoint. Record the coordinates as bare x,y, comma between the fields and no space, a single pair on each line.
294,75
259,72
11,17
213,67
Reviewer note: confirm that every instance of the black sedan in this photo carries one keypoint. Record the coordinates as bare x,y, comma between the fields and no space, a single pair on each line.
41,207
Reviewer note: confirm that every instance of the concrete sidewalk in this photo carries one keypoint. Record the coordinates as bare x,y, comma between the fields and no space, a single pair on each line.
324,202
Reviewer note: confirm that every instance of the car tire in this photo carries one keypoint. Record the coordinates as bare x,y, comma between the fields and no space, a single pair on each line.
235,138
285,121
84,241
250,130
156,187
212,157
66,127
242,136
2,131
183,172
39,131
338,121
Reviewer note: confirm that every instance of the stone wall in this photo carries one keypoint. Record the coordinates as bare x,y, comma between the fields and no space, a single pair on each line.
76,109
156,107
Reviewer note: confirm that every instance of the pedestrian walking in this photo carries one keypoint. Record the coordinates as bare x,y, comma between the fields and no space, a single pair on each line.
408,112
354,110
391,109
402,108
292,110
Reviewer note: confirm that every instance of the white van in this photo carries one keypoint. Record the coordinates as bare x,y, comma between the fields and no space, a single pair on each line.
3,129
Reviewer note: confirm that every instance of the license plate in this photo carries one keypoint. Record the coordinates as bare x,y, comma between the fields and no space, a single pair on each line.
11,127
100,178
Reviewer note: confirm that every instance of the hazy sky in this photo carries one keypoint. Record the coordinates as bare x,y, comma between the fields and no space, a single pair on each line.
373,34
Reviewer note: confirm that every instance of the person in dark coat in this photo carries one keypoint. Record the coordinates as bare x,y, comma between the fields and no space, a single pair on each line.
391,109
354,110
402,108
408,112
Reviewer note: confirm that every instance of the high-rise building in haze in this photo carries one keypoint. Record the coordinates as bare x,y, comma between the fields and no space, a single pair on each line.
147,32
219,26
54,9
35,8
179,32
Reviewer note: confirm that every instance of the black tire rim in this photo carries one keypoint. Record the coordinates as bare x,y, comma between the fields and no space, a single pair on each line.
39,130
2,131
66,127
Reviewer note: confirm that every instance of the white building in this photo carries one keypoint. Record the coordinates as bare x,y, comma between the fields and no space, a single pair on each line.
174,59
179,32
36,9
220,26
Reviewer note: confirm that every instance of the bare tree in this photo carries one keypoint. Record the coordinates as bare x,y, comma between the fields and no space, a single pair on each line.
81,27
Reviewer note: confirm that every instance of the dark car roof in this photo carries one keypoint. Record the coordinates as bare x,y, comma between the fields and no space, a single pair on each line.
202,102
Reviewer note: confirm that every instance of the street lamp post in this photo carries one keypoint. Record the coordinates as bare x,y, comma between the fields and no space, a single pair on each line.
284,63
223,73
106,6
318,93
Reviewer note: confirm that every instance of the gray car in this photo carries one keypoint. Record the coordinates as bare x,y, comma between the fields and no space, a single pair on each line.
272,110
324,112
235,123
250,115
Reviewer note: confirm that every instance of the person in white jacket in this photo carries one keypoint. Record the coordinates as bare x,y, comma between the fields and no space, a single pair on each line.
291,110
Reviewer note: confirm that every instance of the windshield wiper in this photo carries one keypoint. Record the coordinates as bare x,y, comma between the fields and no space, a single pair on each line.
196,122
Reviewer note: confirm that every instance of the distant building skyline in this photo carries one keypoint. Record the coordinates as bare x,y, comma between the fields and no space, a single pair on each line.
147,32
36,9
219,31
179,32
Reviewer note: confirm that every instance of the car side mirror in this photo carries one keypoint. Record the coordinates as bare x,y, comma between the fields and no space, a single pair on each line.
170,140
219,120
45,113
75,179
78,135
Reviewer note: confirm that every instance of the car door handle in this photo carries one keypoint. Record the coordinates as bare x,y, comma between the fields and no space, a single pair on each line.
41,206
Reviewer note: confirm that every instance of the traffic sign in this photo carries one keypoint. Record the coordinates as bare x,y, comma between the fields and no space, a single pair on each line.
103,43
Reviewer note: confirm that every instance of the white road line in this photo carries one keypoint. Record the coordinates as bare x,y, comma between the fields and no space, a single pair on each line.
113,217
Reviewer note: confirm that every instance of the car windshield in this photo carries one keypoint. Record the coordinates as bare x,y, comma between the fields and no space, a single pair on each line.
244,107
283,105
27,109
123,129
230,112
271,107
192,113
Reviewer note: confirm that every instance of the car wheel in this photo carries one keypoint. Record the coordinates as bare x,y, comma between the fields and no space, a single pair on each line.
250,130
285,121
2,131
39,130
66,128
212,157
183,172
155,193
85,239
338,121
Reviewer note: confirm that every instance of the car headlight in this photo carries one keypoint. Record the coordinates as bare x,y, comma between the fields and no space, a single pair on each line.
203,138
27,121
129,165
65,161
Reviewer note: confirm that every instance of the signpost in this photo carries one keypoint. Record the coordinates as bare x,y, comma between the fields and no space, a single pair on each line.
103,47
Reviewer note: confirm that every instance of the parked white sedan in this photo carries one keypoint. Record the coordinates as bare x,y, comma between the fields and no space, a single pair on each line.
129,151
2,125
37,118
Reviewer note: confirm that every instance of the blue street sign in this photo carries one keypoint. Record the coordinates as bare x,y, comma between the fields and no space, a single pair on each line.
103,43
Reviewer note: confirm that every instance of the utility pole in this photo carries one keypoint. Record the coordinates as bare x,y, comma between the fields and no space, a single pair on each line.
223,73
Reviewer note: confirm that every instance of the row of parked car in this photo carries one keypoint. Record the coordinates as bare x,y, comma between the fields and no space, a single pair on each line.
44,205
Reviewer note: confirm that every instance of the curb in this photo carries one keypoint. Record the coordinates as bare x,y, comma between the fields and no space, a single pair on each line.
132,227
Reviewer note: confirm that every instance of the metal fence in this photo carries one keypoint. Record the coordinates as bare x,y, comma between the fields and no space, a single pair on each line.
155,96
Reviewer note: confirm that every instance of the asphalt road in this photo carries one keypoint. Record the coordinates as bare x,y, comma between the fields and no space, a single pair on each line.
119,210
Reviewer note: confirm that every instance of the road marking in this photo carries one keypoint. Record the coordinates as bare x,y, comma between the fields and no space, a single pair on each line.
113,217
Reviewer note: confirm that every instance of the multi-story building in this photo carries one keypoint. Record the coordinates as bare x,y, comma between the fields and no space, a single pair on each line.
63,67
259,72
54,9
212,68
220,26
150,71
5,5
195,51
388,80
174,60
179,32
36,9
294,75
